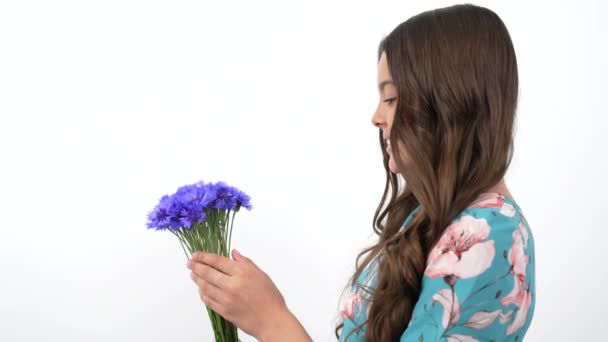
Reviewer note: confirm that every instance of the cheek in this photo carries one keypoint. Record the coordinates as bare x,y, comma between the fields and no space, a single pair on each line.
402,153
390,115
389,119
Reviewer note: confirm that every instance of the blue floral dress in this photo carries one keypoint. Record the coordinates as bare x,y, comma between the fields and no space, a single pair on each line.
478,284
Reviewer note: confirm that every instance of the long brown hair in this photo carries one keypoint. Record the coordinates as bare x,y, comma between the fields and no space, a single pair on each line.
455,72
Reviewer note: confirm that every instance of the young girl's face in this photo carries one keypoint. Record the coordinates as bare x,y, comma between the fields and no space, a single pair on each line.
383,117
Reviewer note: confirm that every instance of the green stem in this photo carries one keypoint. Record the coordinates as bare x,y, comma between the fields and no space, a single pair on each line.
213,218
225,222
186,240
212,236
181,242
230,231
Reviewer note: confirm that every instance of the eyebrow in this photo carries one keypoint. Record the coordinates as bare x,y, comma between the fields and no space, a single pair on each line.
384,83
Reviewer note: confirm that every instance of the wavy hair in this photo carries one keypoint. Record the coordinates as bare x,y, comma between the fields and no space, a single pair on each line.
455,71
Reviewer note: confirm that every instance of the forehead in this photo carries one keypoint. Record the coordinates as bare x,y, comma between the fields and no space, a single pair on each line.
383,70
385,81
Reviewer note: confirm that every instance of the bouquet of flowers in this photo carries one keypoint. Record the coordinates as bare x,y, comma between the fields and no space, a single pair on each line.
201,216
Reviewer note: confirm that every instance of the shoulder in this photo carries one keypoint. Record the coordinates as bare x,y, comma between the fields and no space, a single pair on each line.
493,225
502,219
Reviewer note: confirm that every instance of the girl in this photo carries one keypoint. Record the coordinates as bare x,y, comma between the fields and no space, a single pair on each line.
455,256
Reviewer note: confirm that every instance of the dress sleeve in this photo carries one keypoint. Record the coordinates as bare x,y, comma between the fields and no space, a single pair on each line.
478,282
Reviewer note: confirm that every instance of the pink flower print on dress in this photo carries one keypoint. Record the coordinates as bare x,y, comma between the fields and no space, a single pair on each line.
521,315
463,250
461,338
524,232
348,306
520,295
494,200
451,306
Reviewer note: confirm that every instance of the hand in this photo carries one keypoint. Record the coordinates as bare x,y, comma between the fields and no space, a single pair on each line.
238,290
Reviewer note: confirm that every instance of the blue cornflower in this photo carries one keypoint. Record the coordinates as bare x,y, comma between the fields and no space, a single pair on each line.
243,200
190,214
188,204
225,196
159,217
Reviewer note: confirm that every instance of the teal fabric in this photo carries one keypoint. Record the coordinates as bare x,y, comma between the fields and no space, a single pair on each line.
478,285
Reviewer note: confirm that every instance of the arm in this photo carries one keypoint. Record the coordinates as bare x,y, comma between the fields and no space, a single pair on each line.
284,325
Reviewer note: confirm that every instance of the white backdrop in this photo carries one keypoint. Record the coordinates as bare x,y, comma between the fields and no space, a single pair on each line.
107,105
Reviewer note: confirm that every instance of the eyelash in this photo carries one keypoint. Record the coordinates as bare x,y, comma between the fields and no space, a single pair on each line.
389,101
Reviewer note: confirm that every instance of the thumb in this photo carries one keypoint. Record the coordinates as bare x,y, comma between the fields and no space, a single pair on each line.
239,257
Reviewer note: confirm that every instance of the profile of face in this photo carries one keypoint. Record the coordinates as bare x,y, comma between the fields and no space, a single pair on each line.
383,117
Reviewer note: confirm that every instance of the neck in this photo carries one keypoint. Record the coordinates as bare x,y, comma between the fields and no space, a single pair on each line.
500,188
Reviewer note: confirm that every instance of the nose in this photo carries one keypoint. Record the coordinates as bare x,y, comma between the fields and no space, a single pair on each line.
378,121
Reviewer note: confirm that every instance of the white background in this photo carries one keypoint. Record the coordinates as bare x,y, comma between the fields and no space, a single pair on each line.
107,105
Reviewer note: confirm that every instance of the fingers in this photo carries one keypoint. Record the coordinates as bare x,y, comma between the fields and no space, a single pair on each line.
208,290
209,274
212,304
219,262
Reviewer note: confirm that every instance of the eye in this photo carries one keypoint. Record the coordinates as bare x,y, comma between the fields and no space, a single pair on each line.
391,100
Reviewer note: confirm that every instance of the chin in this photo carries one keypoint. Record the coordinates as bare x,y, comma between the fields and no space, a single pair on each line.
393,167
